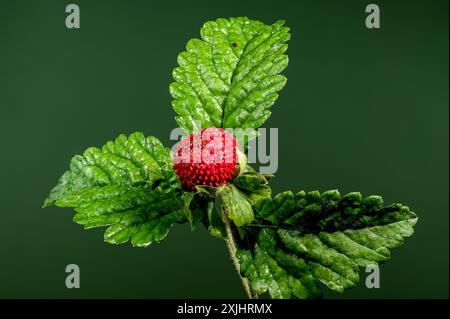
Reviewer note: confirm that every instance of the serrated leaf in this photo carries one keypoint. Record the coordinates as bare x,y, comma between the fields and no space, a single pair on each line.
287,264
131,161
128,185
329,211
230,78
309,247
270,269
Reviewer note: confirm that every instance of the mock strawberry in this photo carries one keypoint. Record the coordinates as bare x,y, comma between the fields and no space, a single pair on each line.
207,157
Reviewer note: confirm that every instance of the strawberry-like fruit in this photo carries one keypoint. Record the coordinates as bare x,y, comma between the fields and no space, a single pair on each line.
207,157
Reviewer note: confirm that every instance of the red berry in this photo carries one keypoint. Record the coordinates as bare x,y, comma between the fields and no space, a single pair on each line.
206,157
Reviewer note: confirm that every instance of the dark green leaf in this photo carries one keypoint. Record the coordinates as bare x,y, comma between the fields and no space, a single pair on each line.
312,212
287,264
313,238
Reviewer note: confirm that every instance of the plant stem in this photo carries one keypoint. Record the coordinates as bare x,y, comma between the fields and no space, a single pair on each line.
231,244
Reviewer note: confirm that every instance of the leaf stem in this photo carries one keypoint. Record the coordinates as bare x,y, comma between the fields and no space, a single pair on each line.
231,244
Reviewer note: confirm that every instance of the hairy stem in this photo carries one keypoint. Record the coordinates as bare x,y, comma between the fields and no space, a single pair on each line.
231,244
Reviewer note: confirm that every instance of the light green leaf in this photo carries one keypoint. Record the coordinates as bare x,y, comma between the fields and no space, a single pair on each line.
314,238
230,78
128,185
139,214
131,161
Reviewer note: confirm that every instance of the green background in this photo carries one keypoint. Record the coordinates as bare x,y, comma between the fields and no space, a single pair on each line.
362,110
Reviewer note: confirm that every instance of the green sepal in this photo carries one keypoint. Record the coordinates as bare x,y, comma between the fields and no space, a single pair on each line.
242,160
216,224
254,185
196,207
235,205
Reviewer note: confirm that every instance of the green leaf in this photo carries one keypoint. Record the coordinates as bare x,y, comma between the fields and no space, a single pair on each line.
230,78
128,185
305,247
139,214
329,211
281,274
287,264
131,161
234,205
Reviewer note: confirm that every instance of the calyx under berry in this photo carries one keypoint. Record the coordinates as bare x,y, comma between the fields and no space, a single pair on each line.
207,157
